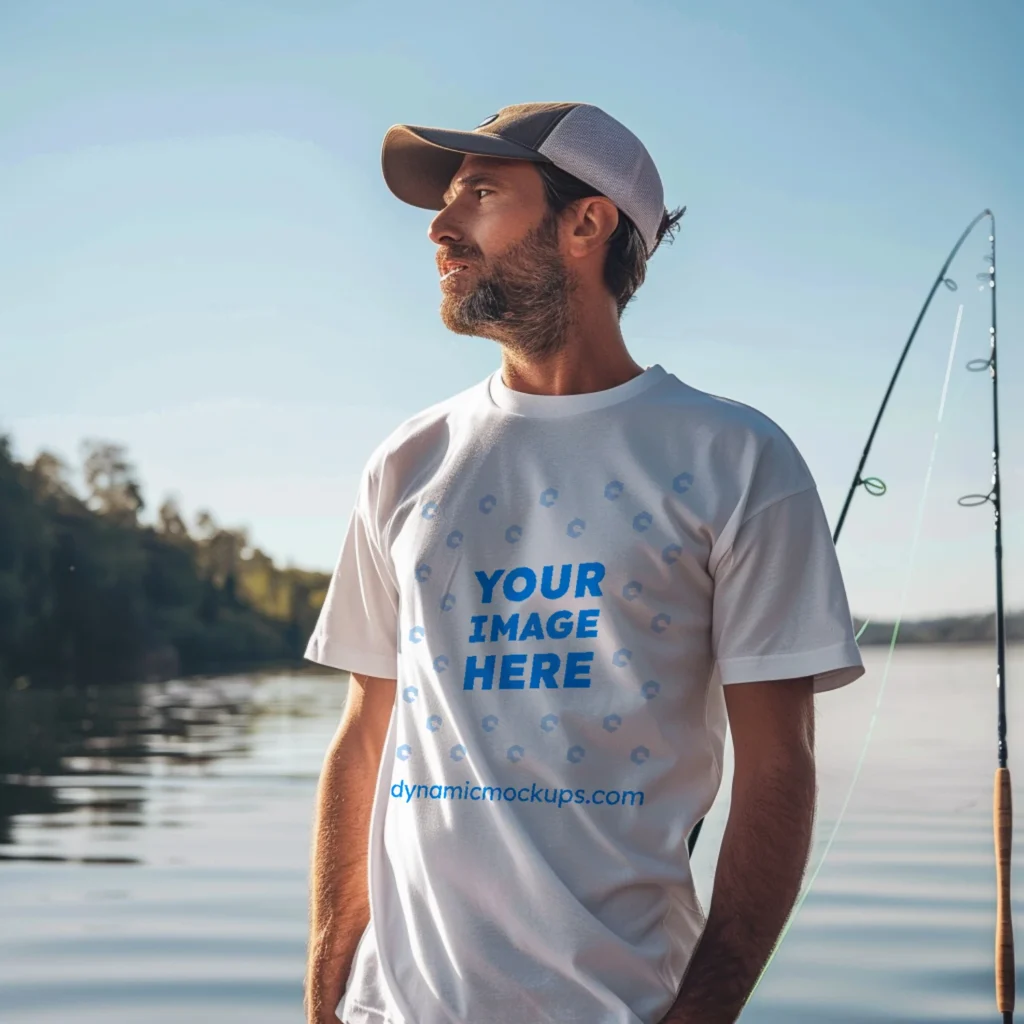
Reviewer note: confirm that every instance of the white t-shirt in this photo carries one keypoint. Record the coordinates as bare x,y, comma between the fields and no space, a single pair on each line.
562,586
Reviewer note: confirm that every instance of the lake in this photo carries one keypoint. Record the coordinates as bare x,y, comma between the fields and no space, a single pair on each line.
154,848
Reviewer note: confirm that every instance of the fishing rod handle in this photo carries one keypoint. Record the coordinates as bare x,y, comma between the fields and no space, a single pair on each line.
1002,817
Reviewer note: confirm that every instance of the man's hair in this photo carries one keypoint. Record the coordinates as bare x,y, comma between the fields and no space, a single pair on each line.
625,265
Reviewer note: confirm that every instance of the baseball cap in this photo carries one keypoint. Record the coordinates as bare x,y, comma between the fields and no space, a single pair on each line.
419,163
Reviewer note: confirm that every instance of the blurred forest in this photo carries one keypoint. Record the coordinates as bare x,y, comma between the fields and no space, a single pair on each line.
89,595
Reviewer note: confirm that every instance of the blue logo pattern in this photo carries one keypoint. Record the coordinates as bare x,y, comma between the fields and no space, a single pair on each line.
681,484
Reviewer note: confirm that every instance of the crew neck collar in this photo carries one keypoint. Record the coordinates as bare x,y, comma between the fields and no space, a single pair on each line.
553,406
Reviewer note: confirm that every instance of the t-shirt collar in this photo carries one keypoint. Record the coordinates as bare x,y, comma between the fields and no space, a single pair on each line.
551,406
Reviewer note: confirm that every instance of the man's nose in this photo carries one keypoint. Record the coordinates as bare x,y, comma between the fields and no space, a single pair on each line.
444,229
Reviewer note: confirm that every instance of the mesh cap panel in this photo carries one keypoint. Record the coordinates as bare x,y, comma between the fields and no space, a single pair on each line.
600,151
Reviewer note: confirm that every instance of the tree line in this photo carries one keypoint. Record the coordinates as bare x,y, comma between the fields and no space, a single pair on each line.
952,629
91,595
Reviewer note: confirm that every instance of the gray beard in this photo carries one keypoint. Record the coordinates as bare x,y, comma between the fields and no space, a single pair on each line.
524,303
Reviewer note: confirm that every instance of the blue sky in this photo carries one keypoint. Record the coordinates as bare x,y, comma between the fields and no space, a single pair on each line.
200,260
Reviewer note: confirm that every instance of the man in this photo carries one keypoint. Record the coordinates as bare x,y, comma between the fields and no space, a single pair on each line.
555,591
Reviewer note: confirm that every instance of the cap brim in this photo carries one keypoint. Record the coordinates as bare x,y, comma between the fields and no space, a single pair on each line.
419,163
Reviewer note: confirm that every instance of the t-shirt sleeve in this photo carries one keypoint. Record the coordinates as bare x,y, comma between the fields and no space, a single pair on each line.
780,608
358,625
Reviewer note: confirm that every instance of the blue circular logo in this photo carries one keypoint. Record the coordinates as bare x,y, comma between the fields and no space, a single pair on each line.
642,521
650,689
682,483
671,554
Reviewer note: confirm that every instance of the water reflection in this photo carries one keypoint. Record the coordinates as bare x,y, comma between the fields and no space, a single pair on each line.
157,848
93,758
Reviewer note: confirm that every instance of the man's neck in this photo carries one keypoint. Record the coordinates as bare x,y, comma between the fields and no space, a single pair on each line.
593,358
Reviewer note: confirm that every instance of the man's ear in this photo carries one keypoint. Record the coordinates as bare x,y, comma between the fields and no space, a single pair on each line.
590,223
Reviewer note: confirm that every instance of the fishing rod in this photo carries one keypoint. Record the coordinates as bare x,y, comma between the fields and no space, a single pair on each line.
873,485
1002,805
1002,808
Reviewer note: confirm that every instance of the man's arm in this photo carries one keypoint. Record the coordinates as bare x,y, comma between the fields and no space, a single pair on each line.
764,850
339,901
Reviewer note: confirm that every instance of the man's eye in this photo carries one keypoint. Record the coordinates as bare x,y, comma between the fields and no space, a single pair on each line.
480,191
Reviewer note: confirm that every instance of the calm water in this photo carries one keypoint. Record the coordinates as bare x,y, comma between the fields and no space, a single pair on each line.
154,844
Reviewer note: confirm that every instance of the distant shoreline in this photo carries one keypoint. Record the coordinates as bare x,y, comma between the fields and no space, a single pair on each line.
962,629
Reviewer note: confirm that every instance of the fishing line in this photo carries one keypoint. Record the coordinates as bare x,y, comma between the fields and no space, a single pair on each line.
888,662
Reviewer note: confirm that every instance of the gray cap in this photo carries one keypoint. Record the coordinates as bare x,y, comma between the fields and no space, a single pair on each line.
419,163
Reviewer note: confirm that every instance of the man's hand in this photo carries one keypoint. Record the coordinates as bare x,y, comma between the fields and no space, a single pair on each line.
764,850
339,901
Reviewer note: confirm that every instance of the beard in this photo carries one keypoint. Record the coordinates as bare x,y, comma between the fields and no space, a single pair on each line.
521,297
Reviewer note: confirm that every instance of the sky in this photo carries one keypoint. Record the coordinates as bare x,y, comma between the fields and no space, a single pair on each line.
199,259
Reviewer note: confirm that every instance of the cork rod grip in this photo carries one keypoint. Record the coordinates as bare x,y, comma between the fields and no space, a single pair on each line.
1002,814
